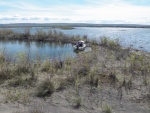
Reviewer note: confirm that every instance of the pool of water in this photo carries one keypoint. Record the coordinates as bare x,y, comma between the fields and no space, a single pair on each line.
34,49
138,38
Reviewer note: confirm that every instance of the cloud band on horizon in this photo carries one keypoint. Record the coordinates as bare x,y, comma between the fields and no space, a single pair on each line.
85,11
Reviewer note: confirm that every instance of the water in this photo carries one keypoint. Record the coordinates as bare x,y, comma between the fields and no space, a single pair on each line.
138,38
34,49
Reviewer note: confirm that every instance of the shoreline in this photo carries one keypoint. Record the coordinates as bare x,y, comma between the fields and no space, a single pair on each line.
72,25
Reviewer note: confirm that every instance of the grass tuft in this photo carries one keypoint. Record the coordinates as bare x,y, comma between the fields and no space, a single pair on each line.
77,102
107,109
46,88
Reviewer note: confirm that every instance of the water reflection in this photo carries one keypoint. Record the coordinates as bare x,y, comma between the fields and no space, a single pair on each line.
126,36
33,48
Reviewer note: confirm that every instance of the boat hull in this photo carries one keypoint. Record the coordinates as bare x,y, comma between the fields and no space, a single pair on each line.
79,48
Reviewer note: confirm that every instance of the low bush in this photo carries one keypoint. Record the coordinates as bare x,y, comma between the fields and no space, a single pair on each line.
77,102
111,44
46,88
107,109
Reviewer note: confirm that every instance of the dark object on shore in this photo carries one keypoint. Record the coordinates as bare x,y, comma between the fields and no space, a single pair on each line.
80,45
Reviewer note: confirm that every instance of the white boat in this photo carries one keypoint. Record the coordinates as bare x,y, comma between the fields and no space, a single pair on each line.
80,45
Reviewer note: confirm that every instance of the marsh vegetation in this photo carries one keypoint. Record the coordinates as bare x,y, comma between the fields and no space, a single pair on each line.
40,35
107,79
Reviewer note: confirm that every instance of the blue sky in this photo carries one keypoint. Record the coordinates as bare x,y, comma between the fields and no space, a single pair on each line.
82,11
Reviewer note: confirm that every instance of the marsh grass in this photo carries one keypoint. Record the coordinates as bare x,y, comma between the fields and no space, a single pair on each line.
23,81
111,44
93,77
6,34
2,58
46,88
13,95
9,70
17,96
46,66
40,35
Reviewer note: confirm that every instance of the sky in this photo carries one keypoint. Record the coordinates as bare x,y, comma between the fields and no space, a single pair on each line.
75,11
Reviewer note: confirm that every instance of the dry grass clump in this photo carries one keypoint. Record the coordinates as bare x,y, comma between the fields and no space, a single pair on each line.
110,44
23,81
93,77
46,88
2,58
36,110
10,69
40,35
6,34
82,65
60,82
46,66
107,109
5,73
16,95
77,102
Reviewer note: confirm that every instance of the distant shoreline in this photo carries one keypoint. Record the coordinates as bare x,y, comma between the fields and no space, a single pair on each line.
58,25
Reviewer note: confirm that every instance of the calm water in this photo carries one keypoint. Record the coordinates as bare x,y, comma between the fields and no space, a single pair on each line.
139,38
35,49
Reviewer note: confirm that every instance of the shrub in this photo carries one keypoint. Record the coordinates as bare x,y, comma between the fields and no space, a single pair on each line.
60,83
22,81
6,34
114,45
93,78
107,109
104,41
46,66
46,88
77,102
41,35
111,44
2,58
5,73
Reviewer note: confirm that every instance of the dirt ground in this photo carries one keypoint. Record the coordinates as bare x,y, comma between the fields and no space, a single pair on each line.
135,101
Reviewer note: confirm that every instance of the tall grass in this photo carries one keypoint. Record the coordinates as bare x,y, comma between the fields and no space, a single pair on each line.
111,44
40,35
46,88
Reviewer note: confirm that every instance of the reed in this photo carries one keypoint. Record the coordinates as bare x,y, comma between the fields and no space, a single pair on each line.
40,35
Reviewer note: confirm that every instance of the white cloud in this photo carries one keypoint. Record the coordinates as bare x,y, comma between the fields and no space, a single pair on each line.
96,11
